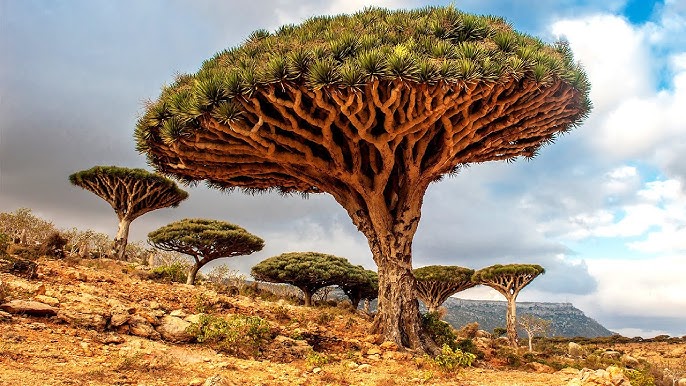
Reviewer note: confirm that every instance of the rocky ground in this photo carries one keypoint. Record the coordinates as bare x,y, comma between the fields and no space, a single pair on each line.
102,322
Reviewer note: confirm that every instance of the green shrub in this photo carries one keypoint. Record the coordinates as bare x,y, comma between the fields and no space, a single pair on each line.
324,318
238,335
174,273
4,243
467,345
450,360
315,359
441,332
640,377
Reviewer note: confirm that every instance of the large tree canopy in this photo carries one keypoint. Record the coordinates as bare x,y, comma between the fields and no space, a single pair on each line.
509,279
131,193
435,283
204,240
308,271
371,108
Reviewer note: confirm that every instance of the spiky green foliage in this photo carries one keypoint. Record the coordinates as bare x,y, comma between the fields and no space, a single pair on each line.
498,271
427,45
435,283
204,240
308,271
360,284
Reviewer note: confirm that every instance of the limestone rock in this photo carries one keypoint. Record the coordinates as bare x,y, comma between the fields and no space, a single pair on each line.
574,350
28,307
483,334
611,354
284,349
612,376
682,382
540,368
139,326
5,316
94,320
49,300
389,346
630,361
173,329
365,368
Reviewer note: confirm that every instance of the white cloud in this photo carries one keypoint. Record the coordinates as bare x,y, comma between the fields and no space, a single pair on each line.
642,288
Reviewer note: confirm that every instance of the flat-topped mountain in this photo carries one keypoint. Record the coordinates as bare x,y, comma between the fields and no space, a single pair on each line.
567,320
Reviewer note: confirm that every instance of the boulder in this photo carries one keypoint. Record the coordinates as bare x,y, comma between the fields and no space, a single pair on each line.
483,334
96,320
611,354
284,349
28,307
612,376
49,300
173,329
682,382
574,350
540,368
629,361
139,326
5,316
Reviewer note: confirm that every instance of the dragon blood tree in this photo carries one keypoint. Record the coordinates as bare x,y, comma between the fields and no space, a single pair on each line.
509,280
131,193
308,271
370,108
360,284
204,240
435,283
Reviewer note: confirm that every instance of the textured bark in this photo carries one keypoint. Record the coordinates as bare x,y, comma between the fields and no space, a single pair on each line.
375,150
511,320
192,273
121,239
308,297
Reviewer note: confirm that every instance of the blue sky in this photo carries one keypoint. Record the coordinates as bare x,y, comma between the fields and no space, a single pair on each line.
603,209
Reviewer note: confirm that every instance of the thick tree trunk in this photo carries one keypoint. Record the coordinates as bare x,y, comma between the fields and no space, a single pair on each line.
432,307
308,297
121,239
355,301
511,321
192,274
398,319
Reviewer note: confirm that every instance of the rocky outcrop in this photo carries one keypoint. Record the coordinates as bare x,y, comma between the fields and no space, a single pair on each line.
612,376
28,307
173,329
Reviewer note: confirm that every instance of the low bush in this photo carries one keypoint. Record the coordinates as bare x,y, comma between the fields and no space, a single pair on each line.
238,335
467,345
441,332
450,360
174,273
315,359
53,246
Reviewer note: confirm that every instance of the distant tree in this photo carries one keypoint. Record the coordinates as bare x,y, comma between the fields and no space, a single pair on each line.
360,284
24,227
131,193
533,325
509,280
308,271
435,283
204,240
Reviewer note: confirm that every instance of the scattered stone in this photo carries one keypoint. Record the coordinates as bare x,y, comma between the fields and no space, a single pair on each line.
374,357
612,376
317,370
173,329
569,371
94,320
196,382
178,313
195,318
285,349
374,339
112,339
119,319
215,380
154,305
540,368
28,307
373,351
49,300
629,361
574,350
611,354
352,365
389,346
139,326
682,382
5,316
365,368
